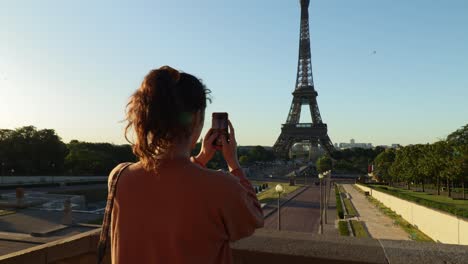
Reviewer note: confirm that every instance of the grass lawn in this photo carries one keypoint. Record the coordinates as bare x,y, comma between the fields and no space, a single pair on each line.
359,229
6,212
97,221
349,207
343,228
270,194
444,203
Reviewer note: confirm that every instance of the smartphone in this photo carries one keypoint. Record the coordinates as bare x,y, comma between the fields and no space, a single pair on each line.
219,124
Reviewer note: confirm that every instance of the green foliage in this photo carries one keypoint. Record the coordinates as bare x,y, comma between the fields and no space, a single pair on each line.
358,229
270,194
323,164
249,155
97,221
382,164
6,212
459,137
29,151
456,207
339,206
343,228
95,158
443,162
349,207
354,160
243,160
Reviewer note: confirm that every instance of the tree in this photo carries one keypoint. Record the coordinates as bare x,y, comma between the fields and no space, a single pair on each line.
439,156
32,152
324,163
243,160
459,137
382,164
86,158
458,140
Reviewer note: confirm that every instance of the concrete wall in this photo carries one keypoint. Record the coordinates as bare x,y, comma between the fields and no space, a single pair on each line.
440,226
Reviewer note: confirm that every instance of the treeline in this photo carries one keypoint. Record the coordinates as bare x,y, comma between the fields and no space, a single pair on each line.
354,160
28,151
442,163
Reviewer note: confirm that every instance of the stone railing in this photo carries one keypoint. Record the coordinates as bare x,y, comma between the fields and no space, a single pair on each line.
267,246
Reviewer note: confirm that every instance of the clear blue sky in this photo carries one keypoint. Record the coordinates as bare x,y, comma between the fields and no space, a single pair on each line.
71,65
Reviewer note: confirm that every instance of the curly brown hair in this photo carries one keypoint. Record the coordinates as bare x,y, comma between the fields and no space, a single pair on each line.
161,112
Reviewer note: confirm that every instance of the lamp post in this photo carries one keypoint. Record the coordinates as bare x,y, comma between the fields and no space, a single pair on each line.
327,192
279,189
321,203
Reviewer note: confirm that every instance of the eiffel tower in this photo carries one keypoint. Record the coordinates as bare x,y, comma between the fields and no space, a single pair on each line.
293,131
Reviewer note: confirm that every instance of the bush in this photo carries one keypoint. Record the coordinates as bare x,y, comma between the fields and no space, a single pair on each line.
343,228
339,207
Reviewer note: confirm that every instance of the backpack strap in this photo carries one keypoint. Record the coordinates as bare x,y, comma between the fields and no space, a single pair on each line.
114,178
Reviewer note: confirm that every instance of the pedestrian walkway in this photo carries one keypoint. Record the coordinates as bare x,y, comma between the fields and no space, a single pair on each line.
379,225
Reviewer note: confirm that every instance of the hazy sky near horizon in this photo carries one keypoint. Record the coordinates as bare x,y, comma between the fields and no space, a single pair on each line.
71,65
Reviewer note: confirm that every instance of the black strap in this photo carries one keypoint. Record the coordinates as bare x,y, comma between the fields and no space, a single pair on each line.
108,213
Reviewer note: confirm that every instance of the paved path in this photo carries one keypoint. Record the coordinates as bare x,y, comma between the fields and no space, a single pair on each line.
301,214
379,225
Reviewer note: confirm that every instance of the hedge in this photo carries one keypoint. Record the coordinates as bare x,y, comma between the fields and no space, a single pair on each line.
339,207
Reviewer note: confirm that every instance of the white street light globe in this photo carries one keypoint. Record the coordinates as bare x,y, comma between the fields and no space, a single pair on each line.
320,176
279,188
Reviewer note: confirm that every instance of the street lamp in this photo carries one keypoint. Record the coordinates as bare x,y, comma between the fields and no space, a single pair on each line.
279,189
321,175
327,175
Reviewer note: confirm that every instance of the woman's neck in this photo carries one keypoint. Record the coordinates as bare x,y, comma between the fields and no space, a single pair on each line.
176,151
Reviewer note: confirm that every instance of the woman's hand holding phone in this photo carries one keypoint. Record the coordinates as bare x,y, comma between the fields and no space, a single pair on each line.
207,150
229,149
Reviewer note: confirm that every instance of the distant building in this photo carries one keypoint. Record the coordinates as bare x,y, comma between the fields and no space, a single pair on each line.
352,144
393,146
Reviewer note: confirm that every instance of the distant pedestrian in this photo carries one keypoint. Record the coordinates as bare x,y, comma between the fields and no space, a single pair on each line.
168,207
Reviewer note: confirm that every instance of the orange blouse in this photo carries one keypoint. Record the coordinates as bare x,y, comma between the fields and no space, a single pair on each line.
182,214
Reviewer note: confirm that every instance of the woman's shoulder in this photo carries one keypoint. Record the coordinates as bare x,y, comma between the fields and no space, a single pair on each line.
119,169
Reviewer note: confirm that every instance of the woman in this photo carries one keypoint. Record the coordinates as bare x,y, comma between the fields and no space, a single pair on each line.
169,208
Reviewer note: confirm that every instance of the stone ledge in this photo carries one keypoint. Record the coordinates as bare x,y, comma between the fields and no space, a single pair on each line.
268,246
306,247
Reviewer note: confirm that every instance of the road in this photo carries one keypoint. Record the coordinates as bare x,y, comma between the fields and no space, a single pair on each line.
301,214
